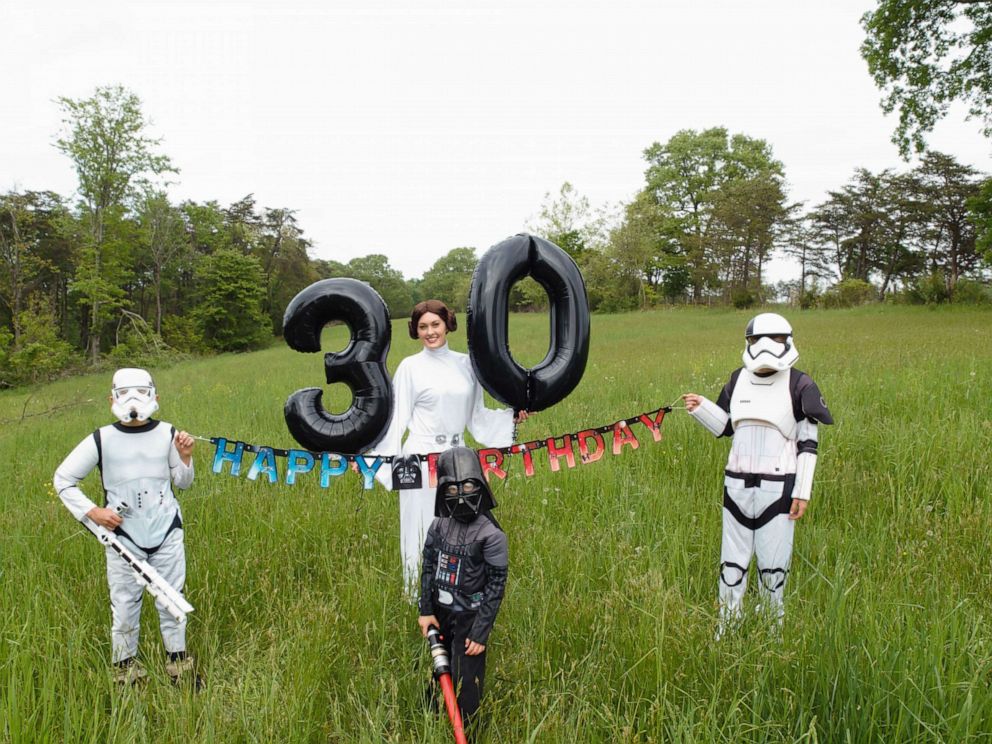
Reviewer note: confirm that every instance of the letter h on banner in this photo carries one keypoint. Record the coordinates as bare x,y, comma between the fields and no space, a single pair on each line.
221,455
555,453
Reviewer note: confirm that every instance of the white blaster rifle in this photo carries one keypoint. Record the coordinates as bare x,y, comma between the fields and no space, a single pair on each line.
163,592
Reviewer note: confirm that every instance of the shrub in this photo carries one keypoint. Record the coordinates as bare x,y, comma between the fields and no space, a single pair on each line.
182,332
743,298
6,340
39,354
970,292
229,312
928,290
808,299
848,293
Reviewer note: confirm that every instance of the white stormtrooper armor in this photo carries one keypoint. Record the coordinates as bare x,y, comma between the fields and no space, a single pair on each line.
138,465
771,410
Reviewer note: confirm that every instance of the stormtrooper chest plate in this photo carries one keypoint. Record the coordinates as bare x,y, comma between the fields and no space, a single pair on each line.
764,399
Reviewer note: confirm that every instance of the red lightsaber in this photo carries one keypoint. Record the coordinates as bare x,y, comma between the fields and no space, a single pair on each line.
442,673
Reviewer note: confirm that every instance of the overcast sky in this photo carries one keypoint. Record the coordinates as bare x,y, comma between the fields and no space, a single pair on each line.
411,128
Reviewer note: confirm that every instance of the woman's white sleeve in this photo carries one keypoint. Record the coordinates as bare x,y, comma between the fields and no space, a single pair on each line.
391,443
73,469
489,427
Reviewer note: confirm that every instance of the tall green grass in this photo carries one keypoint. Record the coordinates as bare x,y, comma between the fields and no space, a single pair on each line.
606,632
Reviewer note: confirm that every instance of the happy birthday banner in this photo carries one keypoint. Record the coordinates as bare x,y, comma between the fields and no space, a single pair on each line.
407,470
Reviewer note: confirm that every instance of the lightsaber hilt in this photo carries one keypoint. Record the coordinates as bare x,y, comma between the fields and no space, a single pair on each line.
439,654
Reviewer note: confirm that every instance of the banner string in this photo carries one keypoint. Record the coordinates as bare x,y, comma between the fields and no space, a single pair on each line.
643,418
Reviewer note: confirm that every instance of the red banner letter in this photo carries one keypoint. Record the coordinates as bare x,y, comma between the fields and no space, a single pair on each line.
555,453
432,468
584,454
623,435
524,450
654,426
494,466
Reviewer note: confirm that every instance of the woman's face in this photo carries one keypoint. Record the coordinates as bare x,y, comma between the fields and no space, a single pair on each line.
431,330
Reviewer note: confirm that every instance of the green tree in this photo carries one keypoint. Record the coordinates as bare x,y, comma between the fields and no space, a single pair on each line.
106,138
163,239
384,279
567,221
801,242
282,251
229,311
873,226
851,220
926,54
327,269
748,215
685,177
206,227
33,252
39,354
243,224
946,188
980,211
450,278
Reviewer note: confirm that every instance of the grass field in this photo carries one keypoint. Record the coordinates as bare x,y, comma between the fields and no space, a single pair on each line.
606,632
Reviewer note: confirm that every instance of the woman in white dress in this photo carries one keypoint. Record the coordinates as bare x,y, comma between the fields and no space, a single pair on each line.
435,398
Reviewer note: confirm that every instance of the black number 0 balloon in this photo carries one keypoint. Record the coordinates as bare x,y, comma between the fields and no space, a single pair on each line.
488,313
361,365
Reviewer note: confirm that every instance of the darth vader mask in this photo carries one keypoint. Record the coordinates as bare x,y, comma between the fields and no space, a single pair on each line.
462,490
406,472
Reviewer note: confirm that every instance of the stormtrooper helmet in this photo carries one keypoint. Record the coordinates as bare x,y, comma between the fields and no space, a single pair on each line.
768,345
133,395
462,490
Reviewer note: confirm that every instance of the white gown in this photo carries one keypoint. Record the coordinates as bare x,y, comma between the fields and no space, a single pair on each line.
436,397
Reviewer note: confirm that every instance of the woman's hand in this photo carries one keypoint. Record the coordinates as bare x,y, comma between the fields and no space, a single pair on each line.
692,401
521,417
472,648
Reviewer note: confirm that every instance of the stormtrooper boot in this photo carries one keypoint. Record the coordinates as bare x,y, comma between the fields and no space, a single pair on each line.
129,672
182,671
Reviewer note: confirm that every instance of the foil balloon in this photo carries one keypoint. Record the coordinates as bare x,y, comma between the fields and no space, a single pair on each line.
488,314
361,365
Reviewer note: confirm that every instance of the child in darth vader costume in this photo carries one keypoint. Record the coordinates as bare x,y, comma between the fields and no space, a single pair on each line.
773,412
464,571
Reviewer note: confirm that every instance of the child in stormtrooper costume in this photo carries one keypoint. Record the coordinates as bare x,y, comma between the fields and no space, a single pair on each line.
139,459
773,412
436,397
464,571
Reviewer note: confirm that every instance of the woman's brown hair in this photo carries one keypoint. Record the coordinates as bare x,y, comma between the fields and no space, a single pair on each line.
432,306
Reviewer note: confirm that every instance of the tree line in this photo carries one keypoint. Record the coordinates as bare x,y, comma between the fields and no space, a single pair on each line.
121,273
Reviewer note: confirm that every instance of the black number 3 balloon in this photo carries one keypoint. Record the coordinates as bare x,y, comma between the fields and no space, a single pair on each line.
361,365
488,313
